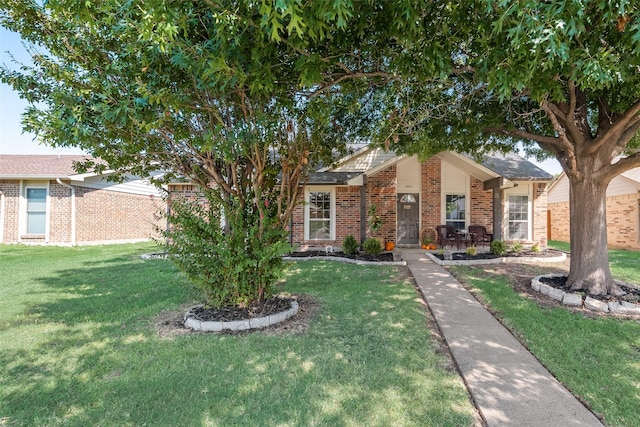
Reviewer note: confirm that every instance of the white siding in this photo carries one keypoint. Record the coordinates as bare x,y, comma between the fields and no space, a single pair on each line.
617,187
368,160
134,185
560,191
454,181
409,175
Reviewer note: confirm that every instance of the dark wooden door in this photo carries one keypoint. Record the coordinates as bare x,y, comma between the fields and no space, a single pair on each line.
408,212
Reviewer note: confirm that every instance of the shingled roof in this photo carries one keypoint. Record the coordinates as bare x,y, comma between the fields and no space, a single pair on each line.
515,168
25,166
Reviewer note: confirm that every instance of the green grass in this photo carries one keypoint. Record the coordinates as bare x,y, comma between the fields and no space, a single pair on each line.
78,347
597,358
556,244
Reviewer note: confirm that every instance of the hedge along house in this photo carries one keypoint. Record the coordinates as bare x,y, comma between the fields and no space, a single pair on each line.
622,204
505,193
44,201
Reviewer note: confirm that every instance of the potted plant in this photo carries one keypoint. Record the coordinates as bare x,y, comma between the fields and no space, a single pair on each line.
428,243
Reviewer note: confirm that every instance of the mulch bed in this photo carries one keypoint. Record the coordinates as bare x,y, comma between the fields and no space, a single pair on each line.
273,305
382,257
462,256
632,294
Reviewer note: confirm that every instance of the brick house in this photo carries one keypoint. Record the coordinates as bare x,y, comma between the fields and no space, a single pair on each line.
43,200
505,193
623,210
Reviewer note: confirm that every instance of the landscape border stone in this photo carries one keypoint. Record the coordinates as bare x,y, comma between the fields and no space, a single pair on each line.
345,260
500,260
237,325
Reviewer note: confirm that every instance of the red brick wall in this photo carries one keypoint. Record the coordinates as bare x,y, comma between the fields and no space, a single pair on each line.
431,193
109,215
381,192
11,190
623,221
481,205
347,213
59,213
539,225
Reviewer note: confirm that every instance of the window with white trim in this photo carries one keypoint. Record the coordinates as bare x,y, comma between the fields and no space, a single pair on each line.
518,217
455,210
319,215
36,210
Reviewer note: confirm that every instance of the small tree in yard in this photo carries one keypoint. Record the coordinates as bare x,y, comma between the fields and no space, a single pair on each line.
198,89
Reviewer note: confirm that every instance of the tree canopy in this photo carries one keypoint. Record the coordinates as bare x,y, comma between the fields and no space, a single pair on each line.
206,88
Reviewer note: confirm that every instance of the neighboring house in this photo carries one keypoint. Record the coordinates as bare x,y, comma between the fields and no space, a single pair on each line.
43,200
506,193
623,210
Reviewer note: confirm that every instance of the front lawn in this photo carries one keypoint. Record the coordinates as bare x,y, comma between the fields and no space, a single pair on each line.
596,357
79,346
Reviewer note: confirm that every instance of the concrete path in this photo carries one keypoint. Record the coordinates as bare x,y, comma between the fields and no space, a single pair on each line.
509,386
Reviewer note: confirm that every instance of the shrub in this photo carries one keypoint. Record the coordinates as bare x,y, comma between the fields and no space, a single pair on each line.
498,247
232,266
536,247
349,245
372,246
517,247
472,251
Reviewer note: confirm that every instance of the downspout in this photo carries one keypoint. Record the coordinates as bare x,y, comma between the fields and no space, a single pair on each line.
73,210
1,216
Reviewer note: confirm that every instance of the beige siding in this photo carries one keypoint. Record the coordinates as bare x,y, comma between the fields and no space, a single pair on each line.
366,161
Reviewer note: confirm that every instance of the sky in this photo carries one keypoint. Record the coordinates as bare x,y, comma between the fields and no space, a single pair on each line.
14,141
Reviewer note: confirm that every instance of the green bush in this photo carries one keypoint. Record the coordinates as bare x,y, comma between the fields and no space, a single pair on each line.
517,247
498,247
232,266
349,245
472,251
536,247
372,246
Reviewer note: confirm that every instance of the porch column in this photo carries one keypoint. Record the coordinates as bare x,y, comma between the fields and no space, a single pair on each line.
497,186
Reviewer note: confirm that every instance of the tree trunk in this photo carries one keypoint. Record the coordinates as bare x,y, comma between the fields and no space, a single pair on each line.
589,265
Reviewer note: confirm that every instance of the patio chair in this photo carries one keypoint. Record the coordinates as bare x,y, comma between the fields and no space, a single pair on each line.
447,236
479,235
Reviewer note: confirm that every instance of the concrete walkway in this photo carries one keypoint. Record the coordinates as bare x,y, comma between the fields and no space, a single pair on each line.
509,386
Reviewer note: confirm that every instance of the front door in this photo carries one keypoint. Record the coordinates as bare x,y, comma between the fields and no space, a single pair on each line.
408,219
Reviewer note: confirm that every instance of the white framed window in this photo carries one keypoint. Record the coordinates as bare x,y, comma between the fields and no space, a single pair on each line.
518,217
455,210
36,210
319,214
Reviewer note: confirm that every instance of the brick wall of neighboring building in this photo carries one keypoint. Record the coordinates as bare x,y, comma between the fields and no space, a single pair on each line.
59,213
539,213
101,215
381,192
109,215
559,221
623,218
11,190
481,206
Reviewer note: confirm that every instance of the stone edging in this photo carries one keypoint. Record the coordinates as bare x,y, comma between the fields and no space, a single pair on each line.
500,260
577,300
163,255
342,259
238,325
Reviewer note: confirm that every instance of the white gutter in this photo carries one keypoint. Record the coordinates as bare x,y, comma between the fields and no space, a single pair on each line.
73,210
1,216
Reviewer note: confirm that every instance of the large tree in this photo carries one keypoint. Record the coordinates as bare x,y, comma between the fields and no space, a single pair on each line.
561,76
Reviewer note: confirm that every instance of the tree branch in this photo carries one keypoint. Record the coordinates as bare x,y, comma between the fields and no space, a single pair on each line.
619,126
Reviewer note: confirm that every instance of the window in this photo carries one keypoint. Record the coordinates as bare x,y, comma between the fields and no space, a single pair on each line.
36,210
319,215
455,211
518,217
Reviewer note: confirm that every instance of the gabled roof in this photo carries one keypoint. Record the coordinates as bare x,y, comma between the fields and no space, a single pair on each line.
632,174
370,161
515,168
34,166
